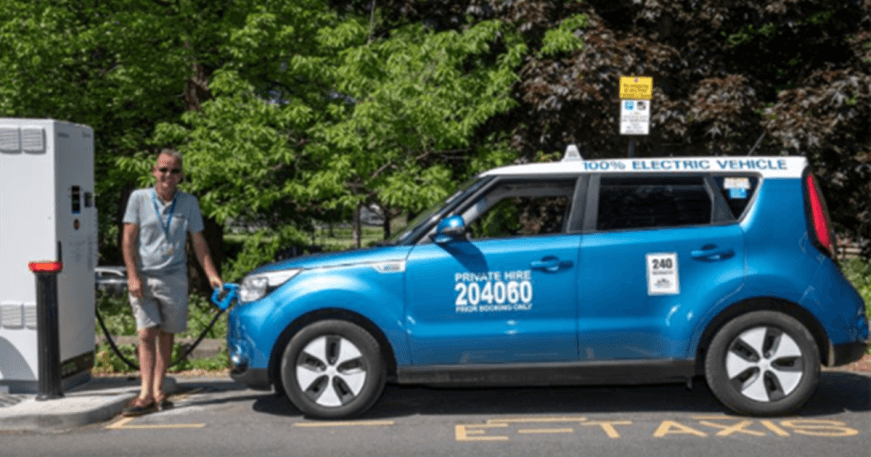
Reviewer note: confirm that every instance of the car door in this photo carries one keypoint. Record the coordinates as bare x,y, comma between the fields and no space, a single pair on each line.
505,293
658,251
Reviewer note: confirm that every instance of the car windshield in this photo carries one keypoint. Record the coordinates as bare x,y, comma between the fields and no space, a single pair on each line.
426,218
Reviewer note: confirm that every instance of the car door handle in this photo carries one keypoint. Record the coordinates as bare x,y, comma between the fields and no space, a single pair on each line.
712,252
550,263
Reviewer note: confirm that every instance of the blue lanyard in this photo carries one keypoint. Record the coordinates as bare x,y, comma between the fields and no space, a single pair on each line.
165,228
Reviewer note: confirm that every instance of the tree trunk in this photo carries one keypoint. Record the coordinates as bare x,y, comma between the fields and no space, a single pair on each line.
386,224
214,235
196,91
357,232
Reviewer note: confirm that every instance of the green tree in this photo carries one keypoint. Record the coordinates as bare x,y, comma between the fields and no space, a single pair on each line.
406,113
290,111
792,76
118,68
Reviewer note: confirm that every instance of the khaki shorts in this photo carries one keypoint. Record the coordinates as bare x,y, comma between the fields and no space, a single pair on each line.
164,303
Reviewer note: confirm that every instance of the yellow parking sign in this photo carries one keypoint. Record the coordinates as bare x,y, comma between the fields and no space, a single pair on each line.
636,87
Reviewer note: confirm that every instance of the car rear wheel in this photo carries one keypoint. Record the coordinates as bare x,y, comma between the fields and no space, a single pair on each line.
333,369
763,363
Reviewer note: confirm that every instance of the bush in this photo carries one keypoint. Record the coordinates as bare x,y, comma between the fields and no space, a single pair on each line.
858,271
117,315
260,248
119,320
107,361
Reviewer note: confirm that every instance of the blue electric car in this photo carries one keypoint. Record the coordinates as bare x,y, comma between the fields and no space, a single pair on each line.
577,272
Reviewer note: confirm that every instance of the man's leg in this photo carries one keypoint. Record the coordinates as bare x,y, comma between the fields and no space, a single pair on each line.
147,337
164,358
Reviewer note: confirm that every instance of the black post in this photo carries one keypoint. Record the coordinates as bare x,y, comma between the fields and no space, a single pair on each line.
632,147
47,333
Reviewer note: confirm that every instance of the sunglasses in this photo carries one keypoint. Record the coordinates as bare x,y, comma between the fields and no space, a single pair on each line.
173,171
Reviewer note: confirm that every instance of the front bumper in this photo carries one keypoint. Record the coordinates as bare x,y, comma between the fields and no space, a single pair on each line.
253,378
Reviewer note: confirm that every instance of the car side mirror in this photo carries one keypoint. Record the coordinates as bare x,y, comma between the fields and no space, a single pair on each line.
449,229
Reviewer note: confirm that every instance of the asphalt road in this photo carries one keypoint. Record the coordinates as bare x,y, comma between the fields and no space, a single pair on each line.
221,418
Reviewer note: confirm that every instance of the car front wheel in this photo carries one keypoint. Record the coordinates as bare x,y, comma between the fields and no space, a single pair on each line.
763,363
333,369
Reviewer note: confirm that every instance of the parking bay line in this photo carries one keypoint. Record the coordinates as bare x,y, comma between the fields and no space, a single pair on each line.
122,425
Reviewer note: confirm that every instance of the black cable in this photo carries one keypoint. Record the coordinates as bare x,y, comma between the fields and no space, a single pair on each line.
197,342
112,342
173,363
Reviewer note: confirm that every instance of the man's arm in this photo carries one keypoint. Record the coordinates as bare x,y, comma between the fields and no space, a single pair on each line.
128,248
201,249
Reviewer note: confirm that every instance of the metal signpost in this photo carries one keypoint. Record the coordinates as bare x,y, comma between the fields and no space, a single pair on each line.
635,95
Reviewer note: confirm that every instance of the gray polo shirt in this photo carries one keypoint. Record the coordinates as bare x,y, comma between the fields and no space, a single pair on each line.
159,254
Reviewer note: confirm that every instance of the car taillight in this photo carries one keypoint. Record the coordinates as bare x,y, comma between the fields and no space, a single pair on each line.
819,215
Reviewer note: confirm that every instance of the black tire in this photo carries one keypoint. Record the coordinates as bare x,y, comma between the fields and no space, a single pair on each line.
763,363
333,369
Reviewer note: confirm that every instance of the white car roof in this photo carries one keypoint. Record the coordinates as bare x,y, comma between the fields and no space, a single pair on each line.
768,167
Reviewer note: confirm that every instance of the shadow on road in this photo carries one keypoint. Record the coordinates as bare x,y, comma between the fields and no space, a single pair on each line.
837,392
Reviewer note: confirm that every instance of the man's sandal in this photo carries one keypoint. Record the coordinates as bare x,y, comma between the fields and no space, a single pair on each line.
137,408
164,404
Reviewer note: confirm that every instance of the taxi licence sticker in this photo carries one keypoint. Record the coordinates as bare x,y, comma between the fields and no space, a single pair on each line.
662,274
737,187
493,291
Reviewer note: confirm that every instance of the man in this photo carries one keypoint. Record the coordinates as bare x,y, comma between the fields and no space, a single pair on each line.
155,226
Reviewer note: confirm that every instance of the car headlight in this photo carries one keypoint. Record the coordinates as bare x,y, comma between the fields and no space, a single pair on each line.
256,286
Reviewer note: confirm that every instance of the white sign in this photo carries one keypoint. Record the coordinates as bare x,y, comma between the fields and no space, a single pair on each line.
662,274
493,291
634,117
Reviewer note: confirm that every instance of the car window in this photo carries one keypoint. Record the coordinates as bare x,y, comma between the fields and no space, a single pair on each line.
431,215
651,202
737,191
528,208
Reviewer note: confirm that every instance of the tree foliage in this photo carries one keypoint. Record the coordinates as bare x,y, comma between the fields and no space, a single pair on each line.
790,75
289,111
407,109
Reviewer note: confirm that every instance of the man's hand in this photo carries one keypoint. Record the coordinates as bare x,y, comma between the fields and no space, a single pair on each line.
129,243
215,282
134,285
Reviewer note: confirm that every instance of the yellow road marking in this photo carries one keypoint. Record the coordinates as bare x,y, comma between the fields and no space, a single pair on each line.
527,420
122,425
608,427
162,426
676,428
343,424
462,432
774,428
726,430
547,430
820,427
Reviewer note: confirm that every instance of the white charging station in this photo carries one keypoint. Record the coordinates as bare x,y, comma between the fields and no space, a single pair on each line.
47,213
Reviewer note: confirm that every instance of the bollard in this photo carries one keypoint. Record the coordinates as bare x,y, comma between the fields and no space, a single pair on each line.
48,336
